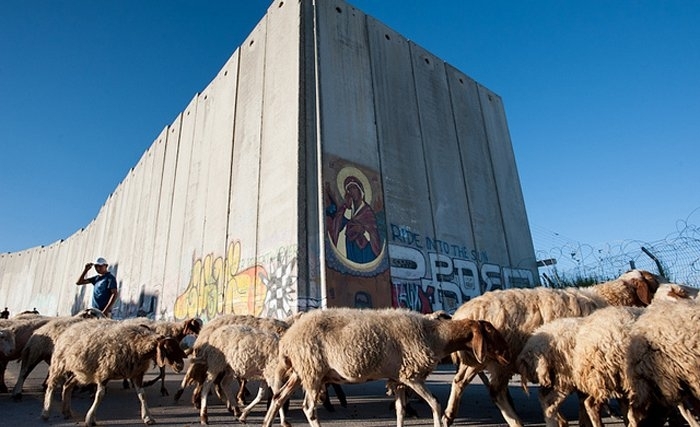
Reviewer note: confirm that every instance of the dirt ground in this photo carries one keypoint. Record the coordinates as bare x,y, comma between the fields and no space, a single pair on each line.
367,405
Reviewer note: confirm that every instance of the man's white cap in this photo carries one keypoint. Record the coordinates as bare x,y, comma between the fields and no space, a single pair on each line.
101,261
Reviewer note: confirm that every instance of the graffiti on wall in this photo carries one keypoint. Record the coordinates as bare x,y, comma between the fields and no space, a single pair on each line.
354,220
225,285
429,274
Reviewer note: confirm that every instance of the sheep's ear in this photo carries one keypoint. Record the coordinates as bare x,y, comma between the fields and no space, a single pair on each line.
678,292
493,344
161,357
645,289
478,342
193,326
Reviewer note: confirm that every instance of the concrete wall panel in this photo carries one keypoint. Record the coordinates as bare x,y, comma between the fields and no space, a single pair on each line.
244,291
453,241
350,160
484,207
406,193
179,260
517,231
279,160
165,277
212,156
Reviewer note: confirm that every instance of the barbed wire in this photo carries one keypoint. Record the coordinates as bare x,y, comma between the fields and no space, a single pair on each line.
676,257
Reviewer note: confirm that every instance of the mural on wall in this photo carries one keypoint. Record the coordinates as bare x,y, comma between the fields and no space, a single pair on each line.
223,285
429,274
355,233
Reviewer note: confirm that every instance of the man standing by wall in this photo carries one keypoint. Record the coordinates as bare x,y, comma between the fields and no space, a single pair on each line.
104,292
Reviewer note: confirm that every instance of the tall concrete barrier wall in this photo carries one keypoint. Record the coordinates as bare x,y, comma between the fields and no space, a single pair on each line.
331,162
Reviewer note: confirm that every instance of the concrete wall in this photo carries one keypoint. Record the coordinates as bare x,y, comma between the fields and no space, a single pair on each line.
244,203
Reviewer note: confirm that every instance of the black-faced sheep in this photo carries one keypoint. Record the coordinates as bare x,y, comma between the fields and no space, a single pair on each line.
516,313
96,351
238,351
21,327
41,344
173,329
343,345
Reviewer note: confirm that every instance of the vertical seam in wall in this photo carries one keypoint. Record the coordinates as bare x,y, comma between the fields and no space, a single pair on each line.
379,151
319,161
489,140
422,141
160,196
461,159
230,168
260,145
172,201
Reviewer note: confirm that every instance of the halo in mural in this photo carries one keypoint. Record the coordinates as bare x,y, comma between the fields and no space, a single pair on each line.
349,171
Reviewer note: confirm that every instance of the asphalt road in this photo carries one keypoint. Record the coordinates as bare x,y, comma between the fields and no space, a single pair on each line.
368,405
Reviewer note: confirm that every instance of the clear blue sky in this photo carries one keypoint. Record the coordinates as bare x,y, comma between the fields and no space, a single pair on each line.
602,100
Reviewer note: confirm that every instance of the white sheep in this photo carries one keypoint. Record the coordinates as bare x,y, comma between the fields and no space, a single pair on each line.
585,354
664,358
96,351
40,345
197,372
174,329
21,327
238,351
516,313
344,345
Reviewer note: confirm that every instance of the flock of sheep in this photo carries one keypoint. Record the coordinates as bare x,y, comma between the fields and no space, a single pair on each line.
632,339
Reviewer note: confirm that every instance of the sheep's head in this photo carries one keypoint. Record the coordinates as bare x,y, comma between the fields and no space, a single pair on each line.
487,342
192,326
169,352
90,313
644,284
7,342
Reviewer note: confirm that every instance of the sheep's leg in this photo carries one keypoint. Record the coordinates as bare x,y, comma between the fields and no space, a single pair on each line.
309,404
399,402
184,383
688,415
280,397
161,377
48,397
242,391
340,394
224,386
498,389
27,367
204,393
551,399
141,393
424,393
593,408
465,374
258,398
3,366
99,395
66,394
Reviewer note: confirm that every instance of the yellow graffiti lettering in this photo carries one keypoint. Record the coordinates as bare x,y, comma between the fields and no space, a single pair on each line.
221,286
